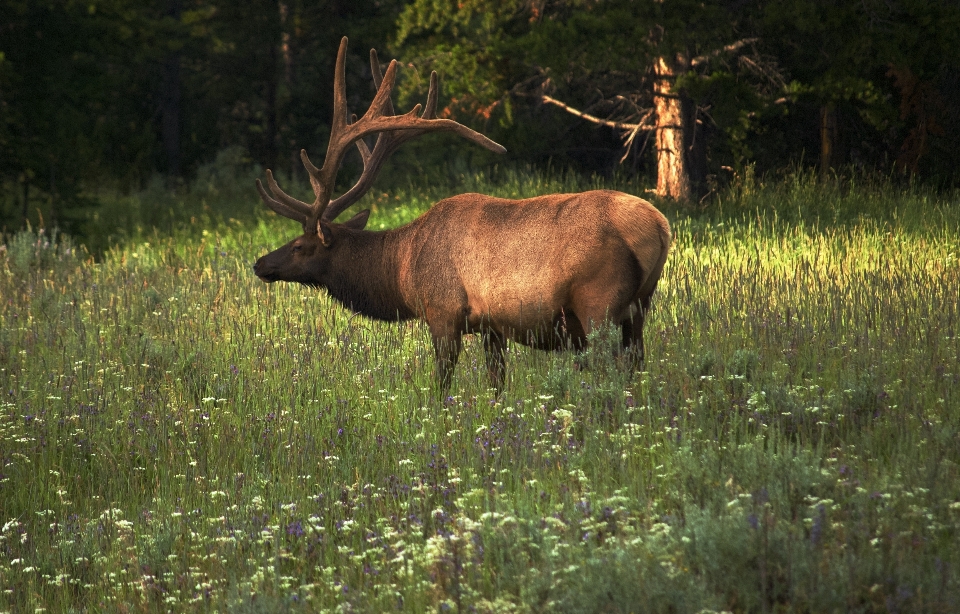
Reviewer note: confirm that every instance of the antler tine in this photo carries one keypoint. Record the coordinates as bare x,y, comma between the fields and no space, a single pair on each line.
322,179
314,174
364,150
430,110
375,69
361,144
382,105
291,202
279,207
378,79
340,87
307,164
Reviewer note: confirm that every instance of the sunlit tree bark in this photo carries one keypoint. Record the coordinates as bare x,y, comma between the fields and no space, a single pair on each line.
672,125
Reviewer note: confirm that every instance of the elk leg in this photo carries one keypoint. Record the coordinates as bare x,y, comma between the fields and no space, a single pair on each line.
446,348
592,317
632,329
632,333
494,345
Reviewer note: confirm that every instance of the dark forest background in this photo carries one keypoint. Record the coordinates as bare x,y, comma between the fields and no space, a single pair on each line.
107,96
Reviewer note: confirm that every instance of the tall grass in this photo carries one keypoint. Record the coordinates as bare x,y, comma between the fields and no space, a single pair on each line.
177,436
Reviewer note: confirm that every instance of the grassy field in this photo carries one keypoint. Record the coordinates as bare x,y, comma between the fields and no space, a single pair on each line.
176,435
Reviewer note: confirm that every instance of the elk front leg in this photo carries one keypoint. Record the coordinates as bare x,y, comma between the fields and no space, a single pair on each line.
446,349
494,345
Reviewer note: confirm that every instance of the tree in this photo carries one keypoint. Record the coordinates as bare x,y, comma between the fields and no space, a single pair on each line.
641,69
119,90
725,82
61,108
659,87
868,79
918,43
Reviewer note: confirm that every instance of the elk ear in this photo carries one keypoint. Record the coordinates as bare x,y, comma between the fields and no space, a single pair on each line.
358,221
324,234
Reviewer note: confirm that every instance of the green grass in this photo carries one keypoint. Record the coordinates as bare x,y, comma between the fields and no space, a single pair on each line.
177,436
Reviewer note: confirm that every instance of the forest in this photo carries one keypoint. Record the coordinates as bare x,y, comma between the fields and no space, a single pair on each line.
99,98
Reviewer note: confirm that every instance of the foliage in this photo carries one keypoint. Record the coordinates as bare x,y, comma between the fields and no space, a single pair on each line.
761,108
125,90
175,435
27,252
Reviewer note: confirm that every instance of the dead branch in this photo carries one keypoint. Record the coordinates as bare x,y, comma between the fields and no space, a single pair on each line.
617,125
732,47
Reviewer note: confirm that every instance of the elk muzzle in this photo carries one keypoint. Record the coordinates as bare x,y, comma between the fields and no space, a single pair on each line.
265,271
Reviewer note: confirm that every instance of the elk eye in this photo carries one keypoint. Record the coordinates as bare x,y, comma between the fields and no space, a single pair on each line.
297,247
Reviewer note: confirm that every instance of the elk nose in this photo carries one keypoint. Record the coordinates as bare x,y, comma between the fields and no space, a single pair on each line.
260,268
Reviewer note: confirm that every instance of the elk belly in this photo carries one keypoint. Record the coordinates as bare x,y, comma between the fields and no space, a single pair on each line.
537,324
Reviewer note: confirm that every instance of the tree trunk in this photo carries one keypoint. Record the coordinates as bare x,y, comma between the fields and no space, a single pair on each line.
828,139
673,173
694,140
170,103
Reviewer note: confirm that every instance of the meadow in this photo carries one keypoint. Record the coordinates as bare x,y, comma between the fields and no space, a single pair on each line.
177,436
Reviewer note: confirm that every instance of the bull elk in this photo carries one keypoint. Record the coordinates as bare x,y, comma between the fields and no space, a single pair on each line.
542,271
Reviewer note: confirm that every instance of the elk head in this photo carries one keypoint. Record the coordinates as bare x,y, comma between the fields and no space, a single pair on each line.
307,258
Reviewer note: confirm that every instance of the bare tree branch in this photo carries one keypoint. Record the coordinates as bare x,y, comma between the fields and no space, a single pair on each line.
642,125
701,59
765,68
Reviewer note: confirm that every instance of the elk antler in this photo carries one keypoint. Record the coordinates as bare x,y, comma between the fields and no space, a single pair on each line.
394,130
387,143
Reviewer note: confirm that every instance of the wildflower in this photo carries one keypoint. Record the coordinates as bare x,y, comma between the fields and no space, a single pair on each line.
295,529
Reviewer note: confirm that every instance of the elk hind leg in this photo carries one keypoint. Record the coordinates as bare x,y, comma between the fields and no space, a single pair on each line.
446,348
632,333
593,314
494,345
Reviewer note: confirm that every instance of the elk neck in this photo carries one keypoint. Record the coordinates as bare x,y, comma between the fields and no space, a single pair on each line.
363,276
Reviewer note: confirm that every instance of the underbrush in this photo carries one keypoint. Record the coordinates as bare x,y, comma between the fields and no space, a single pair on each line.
177,436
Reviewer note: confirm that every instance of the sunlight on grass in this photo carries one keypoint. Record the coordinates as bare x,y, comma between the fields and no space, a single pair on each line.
176,435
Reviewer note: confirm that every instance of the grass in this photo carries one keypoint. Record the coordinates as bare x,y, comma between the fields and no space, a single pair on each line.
177,436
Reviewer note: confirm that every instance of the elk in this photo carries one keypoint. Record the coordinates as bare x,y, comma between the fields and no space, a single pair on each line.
542,271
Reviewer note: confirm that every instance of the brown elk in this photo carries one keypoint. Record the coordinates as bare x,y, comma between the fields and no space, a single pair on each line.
542,271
